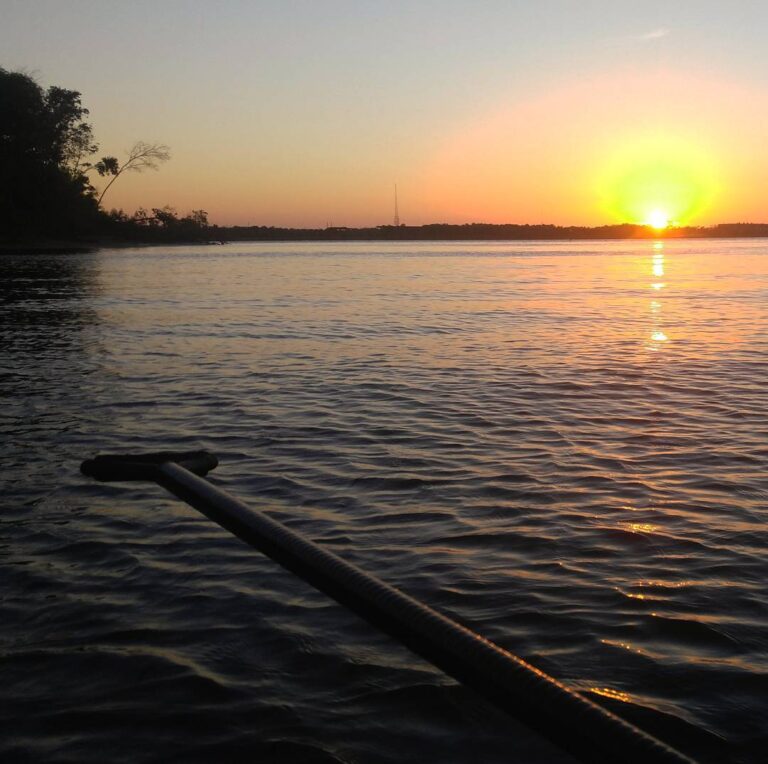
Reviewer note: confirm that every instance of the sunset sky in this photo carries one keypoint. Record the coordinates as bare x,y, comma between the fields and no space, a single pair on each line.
307,112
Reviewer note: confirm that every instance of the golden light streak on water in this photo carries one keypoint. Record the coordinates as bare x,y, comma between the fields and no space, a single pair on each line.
658,335
610,692
642,527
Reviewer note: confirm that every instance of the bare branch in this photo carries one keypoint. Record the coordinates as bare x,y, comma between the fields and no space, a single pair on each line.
142,156
146,156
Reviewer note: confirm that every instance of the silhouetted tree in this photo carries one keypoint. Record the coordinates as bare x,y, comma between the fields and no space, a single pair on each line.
46,145
197,218
142,156
161,224
44,140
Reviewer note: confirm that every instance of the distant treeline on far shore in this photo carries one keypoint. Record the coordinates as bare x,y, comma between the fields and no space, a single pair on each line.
483,232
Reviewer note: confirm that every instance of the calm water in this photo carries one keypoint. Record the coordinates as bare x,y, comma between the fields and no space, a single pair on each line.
564,445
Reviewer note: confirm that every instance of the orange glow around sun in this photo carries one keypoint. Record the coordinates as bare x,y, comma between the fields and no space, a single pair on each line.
653,149
658,179
662,148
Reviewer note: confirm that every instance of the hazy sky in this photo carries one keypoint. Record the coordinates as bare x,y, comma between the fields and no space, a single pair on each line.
304,112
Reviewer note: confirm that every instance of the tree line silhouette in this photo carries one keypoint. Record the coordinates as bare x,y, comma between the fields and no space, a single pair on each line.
46,170
485,232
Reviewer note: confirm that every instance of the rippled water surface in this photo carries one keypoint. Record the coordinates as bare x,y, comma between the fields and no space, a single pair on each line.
563,445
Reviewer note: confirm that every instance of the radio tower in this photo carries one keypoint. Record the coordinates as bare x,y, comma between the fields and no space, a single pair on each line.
397,214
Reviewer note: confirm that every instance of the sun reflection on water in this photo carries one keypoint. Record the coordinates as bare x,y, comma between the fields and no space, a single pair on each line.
658,336
642,527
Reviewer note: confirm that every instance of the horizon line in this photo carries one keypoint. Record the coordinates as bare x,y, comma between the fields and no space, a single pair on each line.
380,226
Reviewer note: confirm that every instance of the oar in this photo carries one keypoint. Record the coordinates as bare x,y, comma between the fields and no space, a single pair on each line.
572,722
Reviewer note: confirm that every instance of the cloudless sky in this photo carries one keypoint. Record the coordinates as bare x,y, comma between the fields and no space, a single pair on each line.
304,112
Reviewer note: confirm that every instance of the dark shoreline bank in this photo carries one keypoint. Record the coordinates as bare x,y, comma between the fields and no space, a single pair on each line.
487,232
432,232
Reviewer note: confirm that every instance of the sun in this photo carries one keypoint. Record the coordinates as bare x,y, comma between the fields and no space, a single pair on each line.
657,219
657,180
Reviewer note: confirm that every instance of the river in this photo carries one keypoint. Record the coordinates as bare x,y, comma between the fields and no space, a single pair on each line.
561,444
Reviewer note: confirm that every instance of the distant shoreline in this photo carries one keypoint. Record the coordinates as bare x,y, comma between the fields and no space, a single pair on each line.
487,232
432,232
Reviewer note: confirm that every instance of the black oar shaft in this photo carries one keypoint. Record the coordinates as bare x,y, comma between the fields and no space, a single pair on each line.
575,724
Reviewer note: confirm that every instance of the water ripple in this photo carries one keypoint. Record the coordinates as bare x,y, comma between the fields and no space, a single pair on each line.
544,440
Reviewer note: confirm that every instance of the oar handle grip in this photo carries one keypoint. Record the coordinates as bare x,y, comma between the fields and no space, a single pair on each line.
109,467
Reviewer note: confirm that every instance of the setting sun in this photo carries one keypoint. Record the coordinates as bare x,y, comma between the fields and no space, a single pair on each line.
657,180
658,219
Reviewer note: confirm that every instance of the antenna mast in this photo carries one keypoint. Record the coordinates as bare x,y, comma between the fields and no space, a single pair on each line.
397,214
